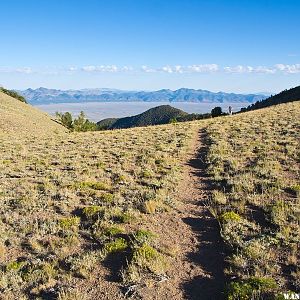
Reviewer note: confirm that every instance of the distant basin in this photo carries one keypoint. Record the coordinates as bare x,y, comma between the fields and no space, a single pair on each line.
97,111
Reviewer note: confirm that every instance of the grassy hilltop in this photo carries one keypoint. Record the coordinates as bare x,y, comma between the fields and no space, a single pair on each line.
162,114
81,212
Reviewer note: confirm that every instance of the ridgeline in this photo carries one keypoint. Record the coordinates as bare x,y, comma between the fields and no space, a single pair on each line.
285,96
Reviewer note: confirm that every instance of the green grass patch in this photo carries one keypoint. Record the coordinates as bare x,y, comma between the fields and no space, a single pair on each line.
99,186
118,245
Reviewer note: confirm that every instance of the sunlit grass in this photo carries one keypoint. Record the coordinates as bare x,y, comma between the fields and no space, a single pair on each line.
254,161
68,201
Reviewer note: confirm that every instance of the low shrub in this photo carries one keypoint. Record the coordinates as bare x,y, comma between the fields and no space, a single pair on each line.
70,223
230,216
118,245
252,288
143,236
146,257
91,212
93,185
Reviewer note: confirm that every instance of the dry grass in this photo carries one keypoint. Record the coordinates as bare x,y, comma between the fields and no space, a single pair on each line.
70,201
254,162
21,119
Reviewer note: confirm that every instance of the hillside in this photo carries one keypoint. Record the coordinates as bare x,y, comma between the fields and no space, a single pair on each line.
81,214
46,96
159,212
253,163
285,96
23,119
13,94
162,114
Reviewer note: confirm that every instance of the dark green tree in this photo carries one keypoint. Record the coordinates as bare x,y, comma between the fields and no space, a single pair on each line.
66,119
79,122
216,112
173,121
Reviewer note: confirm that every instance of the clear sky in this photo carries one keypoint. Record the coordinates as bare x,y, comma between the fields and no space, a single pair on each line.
228,45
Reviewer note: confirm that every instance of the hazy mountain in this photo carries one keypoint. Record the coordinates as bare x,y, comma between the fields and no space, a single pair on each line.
45,96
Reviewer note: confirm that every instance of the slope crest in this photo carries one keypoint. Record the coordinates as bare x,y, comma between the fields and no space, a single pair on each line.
22,119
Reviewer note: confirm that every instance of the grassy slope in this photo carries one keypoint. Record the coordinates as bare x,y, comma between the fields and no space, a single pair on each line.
68,202
254,162
22,119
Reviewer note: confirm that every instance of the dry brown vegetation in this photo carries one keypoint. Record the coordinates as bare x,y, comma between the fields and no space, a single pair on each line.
254,163
71,203
22,119
76,208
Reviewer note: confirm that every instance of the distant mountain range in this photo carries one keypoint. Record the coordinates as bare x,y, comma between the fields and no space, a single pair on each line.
46,96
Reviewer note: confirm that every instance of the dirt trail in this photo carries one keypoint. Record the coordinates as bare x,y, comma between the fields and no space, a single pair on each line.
197,271
197,268
204,276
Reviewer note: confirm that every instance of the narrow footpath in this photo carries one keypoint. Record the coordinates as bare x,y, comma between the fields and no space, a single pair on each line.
197,272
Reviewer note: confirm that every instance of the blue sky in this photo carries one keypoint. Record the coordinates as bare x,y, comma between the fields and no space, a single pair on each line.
228,45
